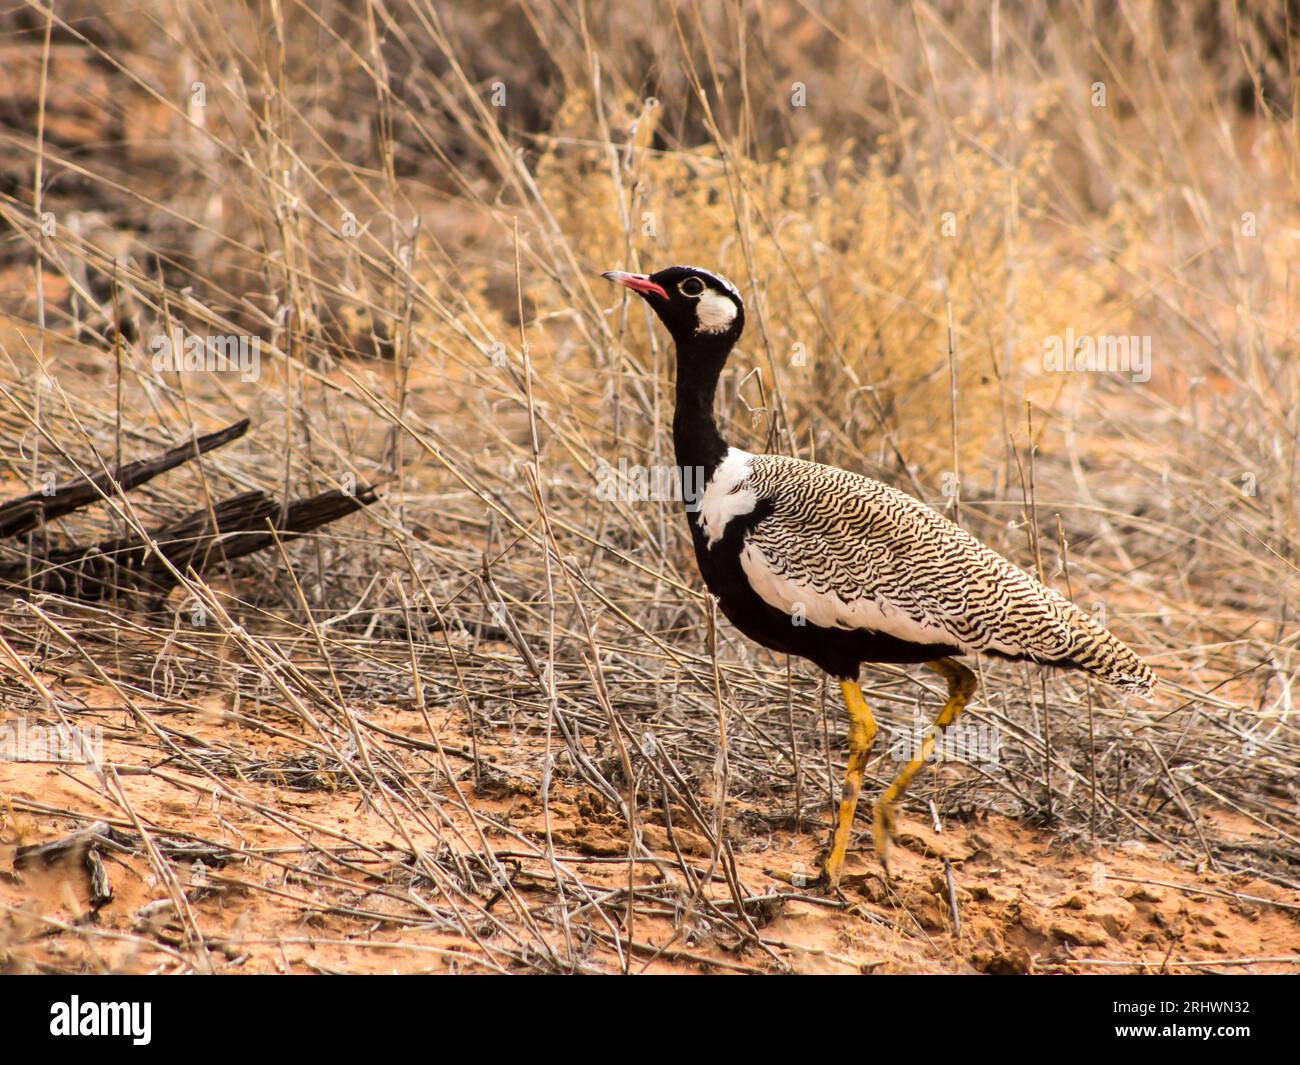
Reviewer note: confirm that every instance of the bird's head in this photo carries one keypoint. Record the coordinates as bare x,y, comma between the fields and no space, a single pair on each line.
697,307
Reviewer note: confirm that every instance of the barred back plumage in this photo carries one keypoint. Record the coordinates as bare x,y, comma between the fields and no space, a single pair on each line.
853,552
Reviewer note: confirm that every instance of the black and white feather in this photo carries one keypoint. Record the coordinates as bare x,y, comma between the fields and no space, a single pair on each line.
836,567
848,552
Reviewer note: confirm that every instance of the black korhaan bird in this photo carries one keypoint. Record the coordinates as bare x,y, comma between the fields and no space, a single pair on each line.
841,569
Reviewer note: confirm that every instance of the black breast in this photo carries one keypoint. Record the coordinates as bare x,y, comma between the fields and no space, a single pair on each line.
840,652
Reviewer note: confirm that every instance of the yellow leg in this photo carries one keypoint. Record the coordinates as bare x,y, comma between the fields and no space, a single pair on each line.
961,686
862,730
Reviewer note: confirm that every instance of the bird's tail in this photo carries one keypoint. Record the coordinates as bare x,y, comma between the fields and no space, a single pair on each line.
1108,658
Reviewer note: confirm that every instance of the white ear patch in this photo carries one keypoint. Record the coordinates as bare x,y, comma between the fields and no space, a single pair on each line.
714,312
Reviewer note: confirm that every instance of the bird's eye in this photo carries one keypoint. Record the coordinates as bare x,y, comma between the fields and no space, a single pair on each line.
692,286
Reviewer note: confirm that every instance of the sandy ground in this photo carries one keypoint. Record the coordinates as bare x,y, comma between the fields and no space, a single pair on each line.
314,881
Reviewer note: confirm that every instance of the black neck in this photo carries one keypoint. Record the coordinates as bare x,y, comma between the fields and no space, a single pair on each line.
696,440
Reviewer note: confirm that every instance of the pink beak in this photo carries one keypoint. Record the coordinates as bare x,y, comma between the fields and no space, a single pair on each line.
639,283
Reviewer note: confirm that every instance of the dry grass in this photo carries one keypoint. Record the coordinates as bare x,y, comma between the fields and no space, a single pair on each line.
421,267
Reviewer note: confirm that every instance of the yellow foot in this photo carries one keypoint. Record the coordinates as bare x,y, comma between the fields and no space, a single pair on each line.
832,868
831,878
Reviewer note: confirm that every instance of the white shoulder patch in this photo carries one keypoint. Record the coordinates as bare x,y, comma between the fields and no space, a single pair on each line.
727,494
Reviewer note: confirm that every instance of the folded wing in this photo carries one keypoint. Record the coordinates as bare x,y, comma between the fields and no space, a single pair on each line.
850,552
